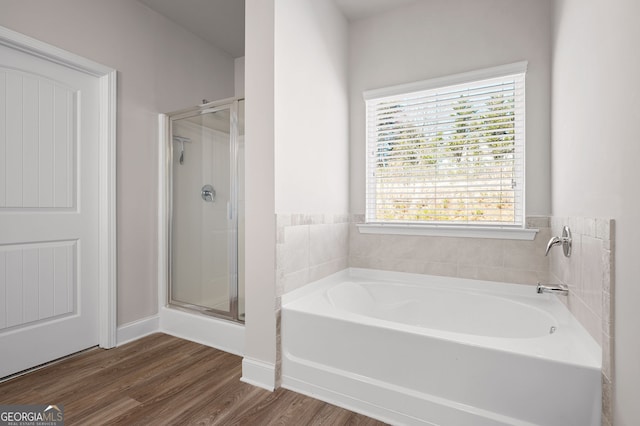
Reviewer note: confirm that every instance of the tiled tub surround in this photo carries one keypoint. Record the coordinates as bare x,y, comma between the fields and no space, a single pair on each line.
589,274
309,247
512,261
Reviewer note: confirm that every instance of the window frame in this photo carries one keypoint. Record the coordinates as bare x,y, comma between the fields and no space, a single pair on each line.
448,228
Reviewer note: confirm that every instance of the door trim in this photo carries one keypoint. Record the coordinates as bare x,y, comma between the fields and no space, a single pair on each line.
107,153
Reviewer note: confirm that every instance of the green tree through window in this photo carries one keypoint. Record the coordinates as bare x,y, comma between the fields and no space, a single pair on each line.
454,155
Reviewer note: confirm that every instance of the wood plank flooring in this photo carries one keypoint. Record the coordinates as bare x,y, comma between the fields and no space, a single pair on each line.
163,380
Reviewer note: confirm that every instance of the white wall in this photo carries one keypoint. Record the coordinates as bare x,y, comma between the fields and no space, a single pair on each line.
311,108
161,68
433,38
260,227
595,153
239,76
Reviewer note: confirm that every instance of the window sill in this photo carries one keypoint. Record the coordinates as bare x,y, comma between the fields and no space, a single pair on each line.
447,231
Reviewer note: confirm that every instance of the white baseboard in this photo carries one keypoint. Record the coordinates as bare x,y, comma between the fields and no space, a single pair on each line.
137,329
258,373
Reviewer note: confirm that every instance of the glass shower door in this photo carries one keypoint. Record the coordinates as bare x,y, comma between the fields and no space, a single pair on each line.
204,213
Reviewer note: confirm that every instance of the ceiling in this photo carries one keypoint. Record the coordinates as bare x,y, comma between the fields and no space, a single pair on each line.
221,22
359,9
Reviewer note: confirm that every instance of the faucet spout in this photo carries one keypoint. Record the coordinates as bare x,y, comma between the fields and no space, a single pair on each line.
556,289
555,241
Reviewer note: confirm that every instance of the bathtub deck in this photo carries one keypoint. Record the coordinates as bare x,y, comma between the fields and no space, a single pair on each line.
161,379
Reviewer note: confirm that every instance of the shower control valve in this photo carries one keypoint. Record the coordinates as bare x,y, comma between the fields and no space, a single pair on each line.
207,193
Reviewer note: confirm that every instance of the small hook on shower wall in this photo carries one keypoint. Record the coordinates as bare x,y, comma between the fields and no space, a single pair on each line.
182,141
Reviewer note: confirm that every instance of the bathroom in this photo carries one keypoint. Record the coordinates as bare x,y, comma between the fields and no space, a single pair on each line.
302,228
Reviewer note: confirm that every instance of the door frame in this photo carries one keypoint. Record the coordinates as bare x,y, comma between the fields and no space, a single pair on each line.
107,169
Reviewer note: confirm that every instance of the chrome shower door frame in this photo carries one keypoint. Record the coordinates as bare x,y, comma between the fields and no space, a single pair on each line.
230,104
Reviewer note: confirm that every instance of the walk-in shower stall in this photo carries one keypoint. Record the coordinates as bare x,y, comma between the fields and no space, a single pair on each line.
205,209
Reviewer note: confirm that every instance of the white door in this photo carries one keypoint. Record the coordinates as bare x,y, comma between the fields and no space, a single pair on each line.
49,211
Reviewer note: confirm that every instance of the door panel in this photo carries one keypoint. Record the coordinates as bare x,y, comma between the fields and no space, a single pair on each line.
38,280
49,163
39,121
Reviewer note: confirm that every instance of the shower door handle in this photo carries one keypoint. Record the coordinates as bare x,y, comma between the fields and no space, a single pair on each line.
207,193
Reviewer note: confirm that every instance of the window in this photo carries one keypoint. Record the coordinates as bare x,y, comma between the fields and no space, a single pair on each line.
448,151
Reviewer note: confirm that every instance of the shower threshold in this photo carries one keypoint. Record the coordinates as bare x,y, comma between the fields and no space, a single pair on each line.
212,330
216,313
205,310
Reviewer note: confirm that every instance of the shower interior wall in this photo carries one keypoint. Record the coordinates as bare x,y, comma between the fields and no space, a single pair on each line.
200,272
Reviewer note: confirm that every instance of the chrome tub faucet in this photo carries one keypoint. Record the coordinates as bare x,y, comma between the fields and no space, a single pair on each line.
555,289
565,241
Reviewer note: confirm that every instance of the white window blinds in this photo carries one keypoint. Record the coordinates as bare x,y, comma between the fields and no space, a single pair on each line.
452,154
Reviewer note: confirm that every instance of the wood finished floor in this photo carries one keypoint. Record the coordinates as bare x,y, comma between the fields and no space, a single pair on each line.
163,380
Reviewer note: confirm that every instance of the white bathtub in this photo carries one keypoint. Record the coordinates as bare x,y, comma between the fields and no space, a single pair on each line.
418,349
